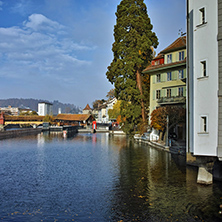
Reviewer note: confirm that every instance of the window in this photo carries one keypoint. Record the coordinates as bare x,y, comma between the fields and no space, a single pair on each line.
181,56
169,76
168,93
158,78
169,58
203,124
181,74
158,94
202,16
180,91
157,62
203,68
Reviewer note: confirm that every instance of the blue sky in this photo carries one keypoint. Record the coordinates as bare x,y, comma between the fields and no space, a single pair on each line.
60,49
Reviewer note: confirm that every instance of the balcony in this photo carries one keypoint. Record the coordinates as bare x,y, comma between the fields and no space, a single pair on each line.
172,100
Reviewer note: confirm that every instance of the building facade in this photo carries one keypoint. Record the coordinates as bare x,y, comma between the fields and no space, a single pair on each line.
15,111
44,108
203,77
168,77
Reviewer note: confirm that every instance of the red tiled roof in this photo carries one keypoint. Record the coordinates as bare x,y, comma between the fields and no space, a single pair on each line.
73,117
177,44
155,67
87,107
159,56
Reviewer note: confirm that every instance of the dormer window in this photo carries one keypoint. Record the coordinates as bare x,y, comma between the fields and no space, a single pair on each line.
157,62
169,58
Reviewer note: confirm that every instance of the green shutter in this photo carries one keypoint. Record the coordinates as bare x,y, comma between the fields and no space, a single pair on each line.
174,92
163,92
174,75
154,94
185,73
184,91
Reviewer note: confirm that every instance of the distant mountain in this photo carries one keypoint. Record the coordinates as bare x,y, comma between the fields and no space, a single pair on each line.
33,104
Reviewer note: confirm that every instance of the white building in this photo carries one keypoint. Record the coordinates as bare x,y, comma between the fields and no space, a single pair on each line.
15,111
204,83
44,108
103,116
110,103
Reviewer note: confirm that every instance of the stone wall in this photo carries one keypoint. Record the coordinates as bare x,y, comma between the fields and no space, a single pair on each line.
18,133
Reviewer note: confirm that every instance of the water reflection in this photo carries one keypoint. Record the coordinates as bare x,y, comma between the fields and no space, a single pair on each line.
98,177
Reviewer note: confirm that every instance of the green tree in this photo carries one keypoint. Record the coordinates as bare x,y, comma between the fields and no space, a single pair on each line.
49,119
133,50
27,113
111,94
97,103
115,112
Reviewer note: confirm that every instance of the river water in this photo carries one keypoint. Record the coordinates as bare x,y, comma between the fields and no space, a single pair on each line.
97,177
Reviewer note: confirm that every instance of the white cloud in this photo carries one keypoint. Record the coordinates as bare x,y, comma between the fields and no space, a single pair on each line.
39,22
33,49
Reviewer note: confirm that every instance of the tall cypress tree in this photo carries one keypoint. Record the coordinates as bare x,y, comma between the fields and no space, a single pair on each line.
132,50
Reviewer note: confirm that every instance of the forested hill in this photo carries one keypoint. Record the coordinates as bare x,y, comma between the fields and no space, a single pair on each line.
33,104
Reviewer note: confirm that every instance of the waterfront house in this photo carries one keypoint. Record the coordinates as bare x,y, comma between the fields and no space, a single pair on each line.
168,79
102,111
204,107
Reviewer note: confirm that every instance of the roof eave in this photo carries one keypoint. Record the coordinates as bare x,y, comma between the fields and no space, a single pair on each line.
162,69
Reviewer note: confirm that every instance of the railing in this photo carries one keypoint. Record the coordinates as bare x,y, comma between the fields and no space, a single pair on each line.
169,100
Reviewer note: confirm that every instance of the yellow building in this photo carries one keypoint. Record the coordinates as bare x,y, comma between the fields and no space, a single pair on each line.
168,76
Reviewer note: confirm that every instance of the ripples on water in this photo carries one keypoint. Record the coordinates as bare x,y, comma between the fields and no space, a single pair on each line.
95,177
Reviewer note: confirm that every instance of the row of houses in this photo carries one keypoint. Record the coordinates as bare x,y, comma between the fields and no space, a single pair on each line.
101,114
44,108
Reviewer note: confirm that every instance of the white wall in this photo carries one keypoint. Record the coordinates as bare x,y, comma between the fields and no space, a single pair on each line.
205,100
44,109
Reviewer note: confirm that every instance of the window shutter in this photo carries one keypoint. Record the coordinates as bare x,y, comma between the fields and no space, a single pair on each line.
184,91
174,75
173,91
185,73
163,92
154,78
154,94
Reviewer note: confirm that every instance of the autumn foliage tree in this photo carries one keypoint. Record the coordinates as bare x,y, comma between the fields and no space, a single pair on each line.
133,50
114,113
176,114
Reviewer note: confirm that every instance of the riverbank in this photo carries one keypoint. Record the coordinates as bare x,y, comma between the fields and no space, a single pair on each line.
178,148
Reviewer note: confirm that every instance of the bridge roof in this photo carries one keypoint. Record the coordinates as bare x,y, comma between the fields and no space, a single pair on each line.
24,118
73,117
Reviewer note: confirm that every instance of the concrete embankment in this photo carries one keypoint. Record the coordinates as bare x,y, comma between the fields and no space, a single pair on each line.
17,133
153,144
